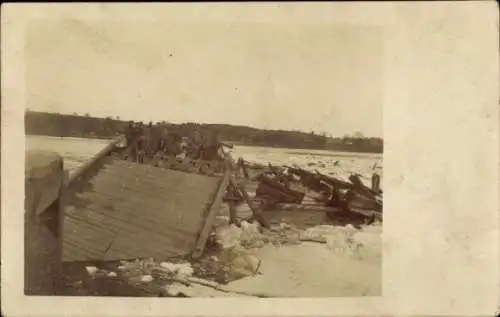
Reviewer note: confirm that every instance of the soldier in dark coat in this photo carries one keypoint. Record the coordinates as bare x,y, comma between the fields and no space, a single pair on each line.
140,143
148,136
156,133
211,146
132,135
129,133
194,145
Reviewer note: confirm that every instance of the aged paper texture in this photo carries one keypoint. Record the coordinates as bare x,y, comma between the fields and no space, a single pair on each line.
419,79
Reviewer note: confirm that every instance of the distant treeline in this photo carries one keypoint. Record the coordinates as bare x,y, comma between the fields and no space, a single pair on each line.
66,125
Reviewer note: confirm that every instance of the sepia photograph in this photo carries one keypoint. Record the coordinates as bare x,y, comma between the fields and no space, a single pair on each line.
250,159
203,159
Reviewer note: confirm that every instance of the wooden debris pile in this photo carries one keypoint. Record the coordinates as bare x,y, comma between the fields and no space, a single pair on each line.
280,186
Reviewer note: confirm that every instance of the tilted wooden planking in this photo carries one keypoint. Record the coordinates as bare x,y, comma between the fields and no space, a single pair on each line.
130,210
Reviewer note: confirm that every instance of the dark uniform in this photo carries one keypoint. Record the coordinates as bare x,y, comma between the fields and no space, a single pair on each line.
129,133
148,136
173,144
141,143
155,136
194,145
210,147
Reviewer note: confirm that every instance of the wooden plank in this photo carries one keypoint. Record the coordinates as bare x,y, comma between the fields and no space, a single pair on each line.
168,213
155,230
87,233
89,218
210,218
73,251
255,210
138,243
150,187
85,248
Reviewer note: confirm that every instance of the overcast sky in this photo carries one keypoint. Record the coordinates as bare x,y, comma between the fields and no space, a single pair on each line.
323,78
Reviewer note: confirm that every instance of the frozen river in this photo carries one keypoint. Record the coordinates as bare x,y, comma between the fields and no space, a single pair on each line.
77,150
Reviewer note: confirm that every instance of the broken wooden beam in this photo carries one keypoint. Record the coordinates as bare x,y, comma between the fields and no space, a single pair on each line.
279,192
335,182
255,210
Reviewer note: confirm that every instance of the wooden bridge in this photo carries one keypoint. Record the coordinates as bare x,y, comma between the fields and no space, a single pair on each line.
110,209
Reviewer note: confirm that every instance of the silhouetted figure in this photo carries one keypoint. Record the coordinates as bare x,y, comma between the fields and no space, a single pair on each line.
194,145
156,135
133,137
211,147
129,133
172,145
140,143
148,140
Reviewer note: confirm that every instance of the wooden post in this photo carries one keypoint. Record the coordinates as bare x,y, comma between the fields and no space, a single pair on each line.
44,184
210,216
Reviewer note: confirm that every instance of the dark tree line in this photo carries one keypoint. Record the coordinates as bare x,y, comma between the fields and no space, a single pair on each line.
74,125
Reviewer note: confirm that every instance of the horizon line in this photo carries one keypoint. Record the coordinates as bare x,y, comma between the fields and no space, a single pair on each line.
328,135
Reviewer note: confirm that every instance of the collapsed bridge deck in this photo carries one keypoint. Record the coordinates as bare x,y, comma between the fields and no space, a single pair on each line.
128,210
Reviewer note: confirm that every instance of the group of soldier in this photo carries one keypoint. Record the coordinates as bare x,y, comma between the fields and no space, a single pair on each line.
146,141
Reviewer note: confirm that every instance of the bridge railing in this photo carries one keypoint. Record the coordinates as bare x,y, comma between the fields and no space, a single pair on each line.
84,168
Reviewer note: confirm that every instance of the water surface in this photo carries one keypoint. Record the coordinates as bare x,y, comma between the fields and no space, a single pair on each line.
75,151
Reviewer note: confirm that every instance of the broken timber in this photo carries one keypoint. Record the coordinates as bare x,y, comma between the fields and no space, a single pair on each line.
280,192
255,210
240,192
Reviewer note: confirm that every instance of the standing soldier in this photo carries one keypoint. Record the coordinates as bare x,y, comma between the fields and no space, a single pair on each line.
149,140
132,138
210,146
175,145
140,143
156,138
194,145
129,133
129,137
163,133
